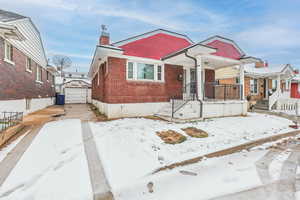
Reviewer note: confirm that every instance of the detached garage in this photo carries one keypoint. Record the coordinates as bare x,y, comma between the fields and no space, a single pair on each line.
77,91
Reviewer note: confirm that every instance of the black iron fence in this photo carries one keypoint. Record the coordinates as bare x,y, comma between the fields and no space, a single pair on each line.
217,91
8,119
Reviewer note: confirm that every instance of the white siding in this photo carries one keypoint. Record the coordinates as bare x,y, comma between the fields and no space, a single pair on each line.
32,46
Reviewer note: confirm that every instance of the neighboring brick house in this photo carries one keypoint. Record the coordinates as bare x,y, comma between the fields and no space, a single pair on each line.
166,74
26,81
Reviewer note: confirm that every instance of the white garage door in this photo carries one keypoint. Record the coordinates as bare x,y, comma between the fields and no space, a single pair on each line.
76,95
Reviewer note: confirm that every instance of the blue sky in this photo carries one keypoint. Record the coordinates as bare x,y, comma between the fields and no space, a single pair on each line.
263,28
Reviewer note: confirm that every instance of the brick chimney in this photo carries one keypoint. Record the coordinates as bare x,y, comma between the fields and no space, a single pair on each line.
296,71
104,37
261,64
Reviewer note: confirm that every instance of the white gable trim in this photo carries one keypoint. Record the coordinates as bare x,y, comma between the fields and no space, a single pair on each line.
222,39
148,34
32,46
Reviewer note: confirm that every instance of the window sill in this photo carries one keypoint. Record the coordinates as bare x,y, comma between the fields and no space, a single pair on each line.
40,82
145,80
9,61
29,71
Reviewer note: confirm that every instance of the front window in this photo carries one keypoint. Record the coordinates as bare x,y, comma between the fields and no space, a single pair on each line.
130,70
47,75
8,49
253,86
287,85
144,71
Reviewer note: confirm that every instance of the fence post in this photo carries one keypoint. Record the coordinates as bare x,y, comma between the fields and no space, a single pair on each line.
172,100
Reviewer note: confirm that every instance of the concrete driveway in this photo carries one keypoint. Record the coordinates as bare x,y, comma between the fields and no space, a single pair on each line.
78,111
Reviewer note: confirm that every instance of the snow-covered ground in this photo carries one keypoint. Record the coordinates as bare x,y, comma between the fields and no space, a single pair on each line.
53,167
11,146
130,148
208,179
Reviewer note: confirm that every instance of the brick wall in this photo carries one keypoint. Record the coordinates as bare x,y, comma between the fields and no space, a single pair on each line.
114,88
17,83
260,85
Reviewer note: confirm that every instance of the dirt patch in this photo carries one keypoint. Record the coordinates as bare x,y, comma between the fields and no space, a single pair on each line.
195,132
100,116
43,116
171,137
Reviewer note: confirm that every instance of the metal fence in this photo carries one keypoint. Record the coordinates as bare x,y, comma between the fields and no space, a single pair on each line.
222,91
8,119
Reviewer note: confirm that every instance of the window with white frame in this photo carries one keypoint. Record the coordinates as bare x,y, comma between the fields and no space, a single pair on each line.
253,86
29,64
144,71
39,73
287,85
8,52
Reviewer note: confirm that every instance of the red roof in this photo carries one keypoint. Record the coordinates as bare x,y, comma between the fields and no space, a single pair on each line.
225,49
155,46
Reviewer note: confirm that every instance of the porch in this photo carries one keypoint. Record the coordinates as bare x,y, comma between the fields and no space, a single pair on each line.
202,95
268,87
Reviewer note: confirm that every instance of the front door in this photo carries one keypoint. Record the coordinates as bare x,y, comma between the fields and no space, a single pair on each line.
266,90
209,83
192,81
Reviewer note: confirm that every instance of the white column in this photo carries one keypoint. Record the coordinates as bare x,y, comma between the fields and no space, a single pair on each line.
242,81
278,83
199,78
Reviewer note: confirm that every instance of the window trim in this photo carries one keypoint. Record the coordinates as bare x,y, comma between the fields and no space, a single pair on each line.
135,71
6,59
254,93
27,69
39,72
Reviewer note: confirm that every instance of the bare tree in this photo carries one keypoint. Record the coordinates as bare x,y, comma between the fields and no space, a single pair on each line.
61,62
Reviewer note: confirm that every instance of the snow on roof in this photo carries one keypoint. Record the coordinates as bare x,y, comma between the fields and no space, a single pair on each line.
271,69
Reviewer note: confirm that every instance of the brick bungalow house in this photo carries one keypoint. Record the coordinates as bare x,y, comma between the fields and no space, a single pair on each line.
265,85
26,81
166,74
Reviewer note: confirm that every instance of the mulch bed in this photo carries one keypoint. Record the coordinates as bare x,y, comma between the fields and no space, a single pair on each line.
195,132
171,137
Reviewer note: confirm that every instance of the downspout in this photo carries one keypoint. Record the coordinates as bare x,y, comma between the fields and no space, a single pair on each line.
196,64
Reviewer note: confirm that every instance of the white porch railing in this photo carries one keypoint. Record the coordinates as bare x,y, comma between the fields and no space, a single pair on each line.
289,105
274,97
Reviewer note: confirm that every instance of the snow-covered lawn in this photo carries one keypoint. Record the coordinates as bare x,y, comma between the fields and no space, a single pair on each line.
130,148
53,167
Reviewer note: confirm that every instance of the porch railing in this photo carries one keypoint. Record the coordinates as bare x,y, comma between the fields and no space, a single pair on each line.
8,119
215,91
189,94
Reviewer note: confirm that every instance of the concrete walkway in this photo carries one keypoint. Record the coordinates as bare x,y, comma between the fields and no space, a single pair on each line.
100,187
10,161
99,183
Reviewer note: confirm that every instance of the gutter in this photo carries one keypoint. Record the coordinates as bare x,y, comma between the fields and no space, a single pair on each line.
196,64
